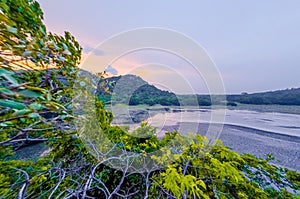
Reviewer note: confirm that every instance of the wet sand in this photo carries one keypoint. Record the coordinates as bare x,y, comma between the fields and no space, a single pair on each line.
284,148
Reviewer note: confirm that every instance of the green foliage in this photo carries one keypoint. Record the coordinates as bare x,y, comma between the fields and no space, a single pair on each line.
88,157
281,97
217,172
150,95
132,90
141,140
29,97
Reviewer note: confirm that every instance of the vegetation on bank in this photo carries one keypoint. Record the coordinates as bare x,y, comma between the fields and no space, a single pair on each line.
89,158
132,90
280,97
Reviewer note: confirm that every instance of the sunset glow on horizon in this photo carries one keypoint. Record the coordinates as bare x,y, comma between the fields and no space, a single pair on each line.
248,41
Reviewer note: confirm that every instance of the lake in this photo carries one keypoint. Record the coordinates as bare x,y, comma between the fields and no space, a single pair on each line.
255,129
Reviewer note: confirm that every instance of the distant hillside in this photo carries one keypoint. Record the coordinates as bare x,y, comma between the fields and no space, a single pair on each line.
281,97
92,77
133,90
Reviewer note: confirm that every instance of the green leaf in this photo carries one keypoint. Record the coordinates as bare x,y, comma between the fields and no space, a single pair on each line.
55,105
201,183
36,89
26,53
21,112
4,71
5,124
65,46
22,41
60,58
12,104
34,115
64,117
8,75
20,9
6,91
40,55
49,97
42,30
30,94
36,106
20,46
12,29
66,52
3,6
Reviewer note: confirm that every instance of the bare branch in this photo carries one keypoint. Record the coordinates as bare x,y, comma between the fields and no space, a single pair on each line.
22,191
62,177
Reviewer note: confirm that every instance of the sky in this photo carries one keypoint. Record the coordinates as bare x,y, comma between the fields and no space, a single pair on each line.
253,45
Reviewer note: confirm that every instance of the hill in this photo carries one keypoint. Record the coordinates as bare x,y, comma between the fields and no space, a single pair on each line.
281,97
133,90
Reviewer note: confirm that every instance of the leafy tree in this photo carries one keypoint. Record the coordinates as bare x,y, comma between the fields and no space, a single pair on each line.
33,101
118,90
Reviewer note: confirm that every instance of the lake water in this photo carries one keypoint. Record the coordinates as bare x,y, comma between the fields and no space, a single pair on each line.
257,131
279,121
282,123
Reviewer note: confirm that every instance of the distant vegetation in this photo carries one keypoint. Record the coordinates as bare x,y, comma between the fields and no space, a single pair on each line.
133,90
281,97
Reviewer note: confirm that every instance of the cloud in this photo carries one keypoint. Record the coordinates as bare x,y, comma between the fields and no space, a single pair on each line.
111,70
95,51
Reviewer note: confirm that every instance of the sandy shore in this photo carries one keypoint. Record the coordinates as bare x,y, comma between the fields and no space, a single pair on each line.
285,148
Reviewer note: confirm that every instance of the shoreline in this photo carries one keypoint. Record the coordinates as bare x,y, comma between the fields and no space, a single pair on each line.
242,139
256,132
271,134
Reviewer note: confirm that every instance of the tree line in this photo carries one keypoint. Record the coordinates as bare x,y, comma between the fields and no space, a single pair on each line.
150,95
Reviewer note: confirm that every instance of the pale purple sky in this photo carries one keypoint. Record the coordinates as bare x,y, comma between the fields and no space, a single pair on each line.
254,44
